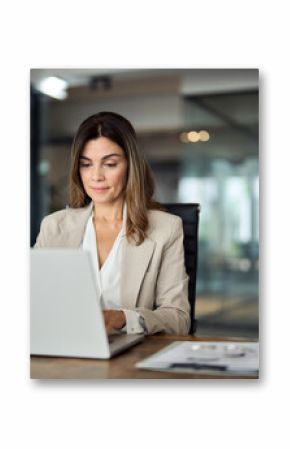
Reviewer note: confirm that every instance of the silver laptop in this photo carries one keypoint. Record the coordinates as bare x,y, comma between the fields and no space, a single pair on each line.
66,317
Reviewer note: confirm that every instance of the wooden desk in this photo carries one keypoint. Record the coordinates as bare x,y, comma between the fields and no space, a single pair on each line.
121,366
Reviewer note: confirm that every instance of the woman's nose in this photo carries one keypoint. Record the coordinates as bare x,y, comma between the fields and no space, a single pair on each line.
97,174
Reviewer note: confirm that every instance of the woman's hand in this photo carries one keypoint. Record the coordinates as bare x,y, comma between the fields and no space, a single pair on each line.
114,320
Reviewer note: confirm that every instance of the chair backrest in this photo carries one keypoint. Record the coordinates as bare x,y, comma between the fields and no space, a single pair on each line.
189,213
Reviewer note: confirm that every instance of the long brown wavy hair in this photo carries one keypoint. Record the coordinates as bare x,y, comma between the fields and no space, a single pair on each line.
140,182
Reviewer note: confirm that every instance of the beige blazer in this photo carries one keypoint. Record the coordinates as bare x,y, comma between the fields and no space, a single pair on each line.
153,277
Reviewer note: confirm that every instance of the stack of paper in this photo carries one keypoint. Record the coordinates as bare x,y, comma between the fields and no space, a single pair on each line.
238,358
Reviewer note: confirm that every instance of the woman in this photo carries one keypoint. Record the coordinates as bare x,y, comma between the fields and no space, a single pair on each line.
136,248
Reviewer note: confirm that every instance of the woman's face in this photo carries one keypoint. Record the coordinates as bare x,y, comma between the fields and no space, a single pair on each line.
103,170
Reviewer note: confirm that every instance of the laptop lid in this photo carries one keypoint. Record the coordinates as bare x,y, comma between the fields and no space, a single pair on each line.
66,317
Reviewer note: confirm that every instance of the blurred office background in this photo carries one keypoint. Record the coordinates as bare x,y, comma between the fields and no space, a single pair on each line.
198,129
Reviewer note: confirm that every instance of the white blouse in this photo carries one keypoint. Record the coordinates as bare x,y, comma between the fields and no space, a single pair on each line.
109,276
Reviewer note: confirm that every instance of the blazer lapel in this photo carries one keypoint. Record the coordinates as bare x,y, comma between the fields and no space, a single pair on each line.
135,262
73,228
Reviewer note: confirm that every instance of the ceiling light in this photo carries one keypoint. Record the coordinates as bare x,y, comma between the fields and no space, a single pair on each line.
193,136
204,136
53,87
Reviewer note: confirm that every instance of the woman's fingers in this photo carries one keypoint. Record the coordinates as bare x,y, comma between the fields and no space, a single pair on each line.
114,320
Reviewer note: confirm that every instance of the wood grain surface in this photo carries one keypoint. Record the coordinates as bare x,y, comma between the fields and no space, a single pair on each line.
123,365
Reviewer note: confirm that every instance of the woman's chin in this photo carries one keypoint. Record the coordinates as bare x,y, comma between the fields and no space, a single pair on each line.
109,199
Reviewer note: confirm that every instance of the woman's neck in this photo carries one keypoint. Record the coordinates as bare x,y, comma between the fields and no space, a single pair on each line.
108,212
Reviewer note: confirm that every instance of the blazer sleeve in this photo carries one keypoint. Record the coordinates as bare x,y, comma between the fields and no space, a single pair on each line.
172,312
42,240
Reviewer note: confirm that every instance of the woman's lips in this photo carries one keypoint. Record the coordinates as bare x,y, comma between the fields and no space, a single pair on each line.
99,189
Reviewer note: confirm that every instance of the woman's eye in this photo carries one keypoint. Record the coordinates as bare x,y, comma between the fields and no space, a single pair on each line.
83,164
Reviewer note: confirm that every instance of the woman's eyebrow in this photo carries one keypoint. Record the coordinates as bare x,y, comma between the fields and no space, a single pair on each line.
103,158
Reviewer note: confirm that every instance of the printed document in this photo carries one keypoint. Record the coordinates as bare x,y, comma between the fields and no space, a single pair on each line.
231,357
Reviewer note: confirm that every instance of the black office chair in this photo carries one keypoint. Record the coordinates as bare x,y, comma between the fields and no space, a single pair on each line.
189,213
